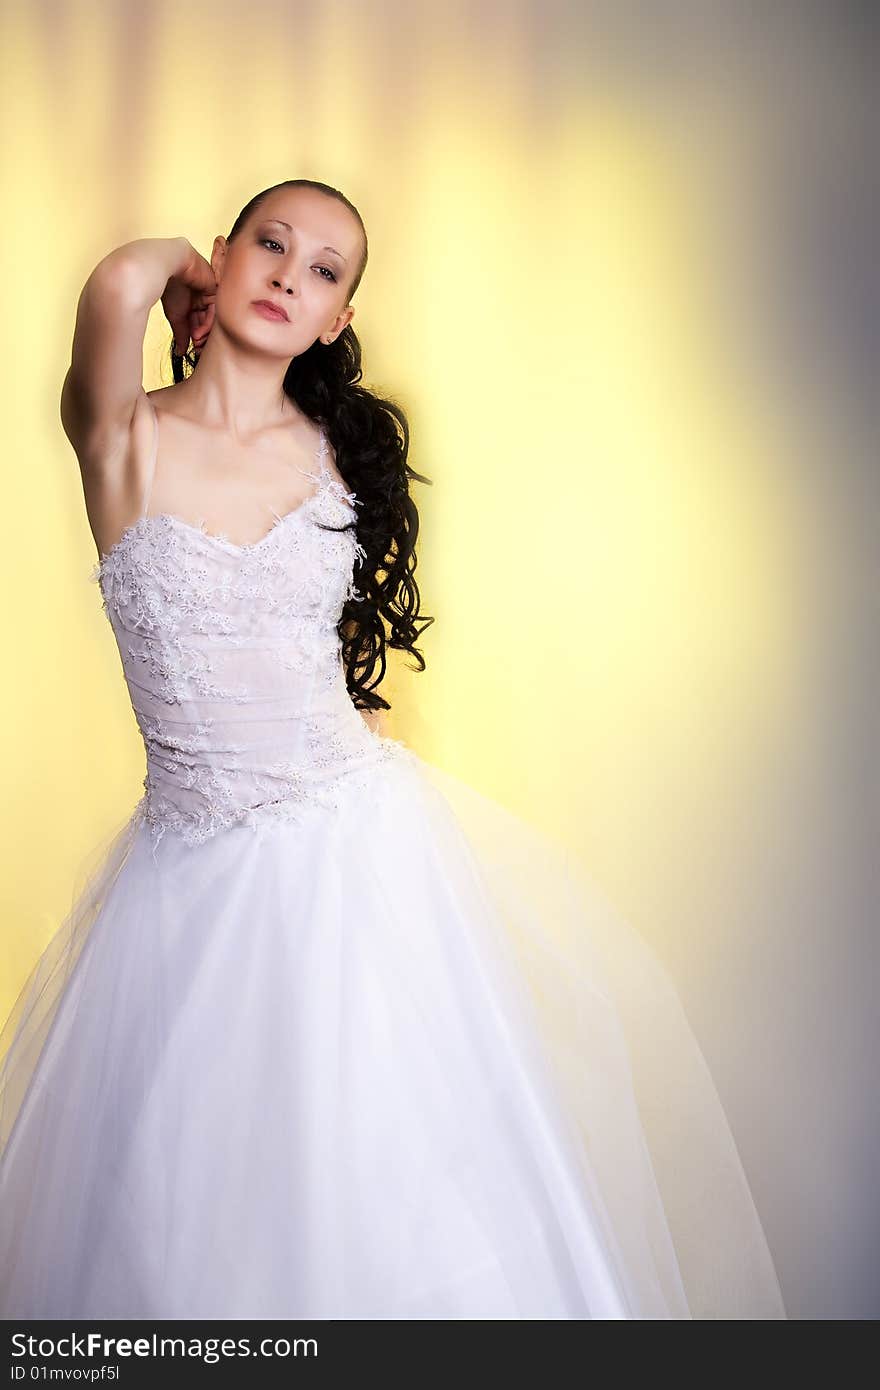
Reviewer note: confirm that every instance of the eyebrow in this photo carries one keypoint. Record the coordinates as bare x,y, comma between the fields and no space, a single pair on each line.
279,223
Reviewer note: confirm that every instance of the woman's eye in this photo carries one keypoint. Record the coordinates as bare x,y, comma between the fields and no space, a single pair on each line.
268,241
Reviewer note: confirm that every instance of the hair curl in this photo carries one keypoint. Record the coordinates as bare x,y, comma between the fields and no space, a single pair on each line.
370,439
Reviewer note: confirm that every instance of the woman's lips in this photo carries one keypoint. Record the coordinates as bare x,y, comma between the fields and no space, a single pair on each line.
270,311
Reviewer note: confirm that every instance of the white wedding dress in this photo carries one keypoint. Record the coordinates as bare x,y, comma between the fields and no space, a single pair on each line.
329,1034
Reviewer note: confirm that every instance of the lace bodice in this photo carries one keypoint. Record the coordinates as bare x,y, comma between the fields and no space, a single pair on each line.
234,664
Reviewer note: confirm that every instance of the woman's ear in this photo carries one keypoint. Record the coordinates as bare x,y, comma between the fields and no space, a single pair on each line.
218,256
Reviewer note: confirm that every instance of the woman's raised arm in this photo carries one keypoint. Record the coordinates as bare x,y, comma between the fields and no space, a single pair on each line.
105,376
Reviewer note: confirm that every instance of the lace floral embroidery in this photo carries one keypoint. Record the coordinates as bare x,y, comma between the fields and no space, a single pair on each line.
233,663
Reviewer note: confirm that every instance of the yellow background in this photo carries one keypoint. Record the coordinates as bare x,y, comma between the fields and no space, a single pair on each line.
634,547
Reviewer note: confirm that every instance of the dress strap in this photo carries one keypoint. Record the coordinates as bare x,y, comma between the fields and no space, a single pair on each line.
320,473
151,471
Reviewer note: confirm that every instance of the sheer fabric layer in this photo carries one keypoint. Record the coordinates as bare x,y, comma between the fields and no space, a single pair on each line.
399,1061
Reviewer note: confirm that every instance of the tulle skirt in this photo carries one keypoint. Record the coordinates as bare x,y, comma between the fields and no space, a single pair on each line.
400,1061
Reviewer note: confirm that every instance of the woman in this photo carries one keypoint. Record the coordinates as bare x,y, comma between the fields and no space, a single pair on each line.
328,1034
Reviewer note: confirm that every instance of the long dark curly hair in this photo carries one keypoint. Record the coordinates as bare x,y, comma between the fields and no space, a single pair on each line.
370,439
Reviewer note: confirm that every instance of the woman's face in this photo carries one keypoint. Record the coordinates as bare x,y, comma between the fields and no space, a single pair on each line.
300,250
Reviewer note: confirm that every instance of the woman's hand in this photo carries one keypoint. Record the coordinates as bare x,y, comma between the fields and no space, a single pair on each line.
189,302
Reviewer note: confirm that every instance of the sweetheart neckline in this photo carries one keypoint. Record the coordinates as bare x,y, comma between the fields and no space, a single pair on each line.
326,485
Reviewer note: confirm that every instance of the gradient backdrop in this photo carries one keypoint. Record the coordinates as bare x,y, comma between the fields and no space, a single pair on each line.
622,280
